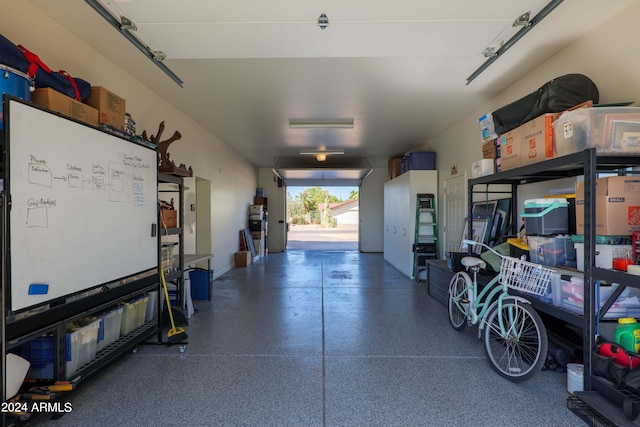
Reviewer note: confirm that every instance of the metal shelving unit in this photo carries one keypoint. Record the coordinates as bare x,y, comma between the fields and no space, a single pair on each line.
600,395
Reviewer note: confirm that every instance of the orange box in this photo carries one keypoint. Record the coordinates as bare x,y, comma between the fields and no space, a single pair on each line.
61,103
169,218
111,107
537,139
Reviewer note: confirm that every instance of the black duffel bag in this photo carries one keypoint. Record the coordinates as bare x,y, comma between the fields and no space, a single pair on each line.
555,96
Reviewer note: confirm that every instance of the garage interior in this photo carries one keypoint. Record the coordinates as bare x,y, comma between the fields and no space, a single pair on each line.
274,95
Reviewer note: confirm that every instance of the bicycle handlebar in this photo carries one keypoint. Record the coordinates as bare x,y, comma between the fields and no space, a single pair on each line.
473,243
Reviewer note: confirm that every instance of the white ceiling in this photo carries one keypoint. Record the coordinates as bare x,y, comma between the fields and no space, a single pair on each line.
399,69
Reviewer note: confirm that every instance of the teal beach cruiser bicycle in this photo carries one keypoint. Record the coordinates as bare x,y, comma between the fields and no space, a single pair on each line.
513,334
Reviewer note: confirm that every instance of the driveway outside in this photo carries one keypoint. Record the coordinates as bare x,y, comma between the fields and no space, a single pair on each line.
314,237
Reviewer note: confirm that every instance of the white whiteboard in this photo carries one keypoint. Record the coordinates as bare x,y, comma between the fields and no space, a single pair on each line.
82,206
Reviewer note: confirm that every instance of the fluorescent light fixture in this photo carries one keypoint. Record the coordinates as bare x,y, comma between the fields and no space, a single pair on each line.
319,124
321,152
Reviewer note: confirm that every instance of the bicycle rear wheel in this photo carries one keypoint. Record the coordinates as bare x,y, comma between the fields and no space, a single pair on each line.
521,353
458,286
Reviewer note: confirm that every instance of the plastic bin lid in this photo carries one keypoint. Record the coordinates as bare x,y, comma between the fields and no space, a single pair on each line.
535,203
518,243
604,240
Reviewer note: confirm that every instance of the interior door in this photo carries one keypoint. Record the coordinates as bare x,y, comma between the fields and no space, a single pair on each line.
455,196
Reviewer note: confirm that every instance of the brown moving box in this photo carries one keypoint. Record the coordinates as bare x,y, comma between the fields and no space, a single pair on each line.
510,149
537,139
61,103
243,258
111,107
617,201
169,218
395,167
489,150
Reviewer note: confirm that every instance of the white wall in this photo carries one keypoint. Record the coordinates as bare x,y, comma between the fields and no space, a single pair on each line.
606,55
372,211
233,179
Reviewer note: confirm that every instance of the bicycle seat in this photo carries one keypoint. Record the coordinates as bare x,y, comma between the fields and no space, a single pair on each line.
471,261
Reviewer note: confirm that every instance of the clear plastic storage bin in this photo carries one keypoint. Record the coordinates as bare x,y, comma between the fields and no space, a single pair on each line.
614,130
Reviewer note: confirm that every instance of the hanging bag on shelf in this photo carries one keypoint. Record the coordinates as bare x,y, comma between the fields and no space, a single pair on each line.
555,96
60,81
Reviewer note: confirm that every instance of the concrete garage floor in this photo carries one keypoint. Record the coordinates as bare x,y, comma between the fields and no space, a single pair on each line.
318,338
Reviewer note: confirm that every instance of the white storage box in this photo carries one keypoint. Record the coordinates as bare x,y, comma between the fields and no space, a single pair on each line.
255,209
82,344
482,168
604,254
109,327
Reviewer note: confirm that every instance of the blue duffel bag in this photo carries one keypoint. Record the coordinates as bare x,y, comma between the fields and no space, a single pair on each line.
21,59
58,80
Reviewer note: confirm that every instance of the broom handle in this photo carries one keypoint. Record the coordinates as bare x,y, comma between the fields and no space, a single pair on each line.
164,285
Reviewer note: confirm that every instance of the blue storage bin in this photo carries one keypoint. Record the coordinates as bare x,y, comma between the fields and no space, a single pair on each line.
201,283
418,160
39,352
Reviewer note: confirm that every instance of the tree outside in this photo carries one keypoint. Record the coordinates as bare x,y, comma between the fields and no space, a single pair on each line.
302,206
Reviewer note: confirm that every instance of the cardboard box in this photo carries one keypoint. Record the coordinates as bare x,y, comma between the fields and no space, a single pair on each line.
395,167
510,149
537,139
489,150
242,258
617,201
61,103
258,235
482,168
111,107
260,200
169,218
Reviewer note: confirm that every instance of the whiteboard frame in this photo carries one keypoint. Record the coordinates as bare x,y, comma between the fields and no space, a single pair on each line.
114,260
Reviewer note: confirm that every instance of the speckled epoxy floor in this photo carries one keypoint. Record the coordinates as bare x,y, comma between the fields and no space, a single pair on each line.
317,339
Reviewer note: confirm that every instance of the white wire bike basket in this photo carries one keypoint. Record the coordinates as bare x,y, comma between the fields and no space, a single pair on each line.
524,276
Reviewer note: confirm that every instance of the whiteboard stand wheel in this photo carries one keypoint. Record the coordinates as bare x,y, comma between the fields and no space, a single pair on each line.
182,348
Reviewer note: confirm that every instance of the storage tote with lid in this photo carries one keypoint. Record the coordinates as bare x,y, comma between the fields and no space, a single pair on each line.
546,217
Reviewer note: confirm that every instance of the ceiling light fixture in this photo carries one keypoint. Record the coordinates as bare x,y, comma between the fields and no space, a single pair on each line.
121,26
320,152
311,124
526,27
323,21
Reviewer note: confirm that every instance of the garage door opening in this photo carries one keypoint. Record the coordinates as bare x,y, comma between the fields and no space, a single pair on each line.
323,218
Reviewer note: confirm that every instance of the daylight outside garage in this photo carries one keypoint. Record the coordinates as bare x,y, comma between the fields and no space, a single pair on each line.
323,218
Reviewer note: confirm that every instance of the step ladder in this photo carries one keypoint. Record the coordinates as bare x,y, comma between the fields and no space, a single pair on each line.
425,244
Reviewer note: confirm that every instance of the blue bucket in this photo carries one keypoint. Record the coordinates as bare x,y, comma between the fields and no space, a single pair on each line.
201,283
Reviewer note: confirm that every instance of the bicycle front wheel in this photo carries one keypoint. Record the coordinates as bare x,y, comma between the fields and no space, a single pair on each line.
458,302
519,351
